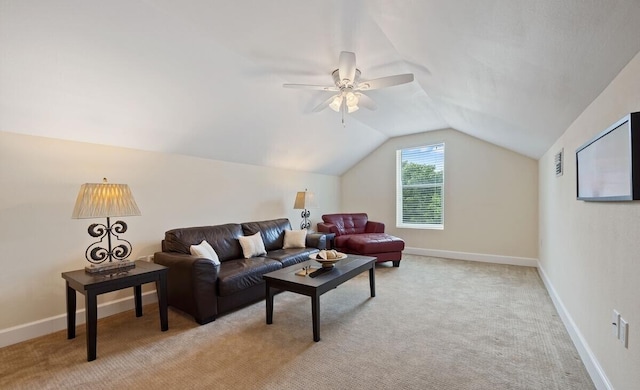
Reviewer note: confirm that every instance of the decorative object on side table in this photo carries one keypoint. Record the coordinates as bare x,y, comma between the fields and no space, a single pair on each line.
100,200
305,200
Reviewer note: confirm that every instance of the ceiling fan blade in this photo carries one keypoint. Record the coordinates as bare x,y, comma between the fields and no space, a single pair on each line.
384,82
347,66
366,102
324,104
314,87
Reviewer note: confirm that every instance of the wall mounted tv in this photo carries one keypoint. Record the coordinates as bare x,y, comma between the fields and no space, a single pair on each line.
608,166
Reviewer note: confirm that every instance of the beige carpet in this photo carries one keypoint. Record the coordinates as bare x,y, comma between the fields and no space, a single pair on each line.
434,324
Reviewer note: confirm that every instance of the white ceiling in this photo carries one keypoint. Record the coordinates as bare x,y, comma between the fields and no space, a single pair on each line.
204,78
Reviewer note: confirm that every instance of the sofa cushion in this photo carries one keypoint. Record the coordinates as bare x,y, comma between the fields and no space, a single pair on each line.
272,231
252,245
294,239
291,256
373,243
354,223
205,251
222,238
240,274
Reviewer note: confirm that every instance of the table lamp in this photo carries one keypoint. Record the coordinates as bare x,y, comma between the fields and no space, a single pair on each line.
100,200
305,200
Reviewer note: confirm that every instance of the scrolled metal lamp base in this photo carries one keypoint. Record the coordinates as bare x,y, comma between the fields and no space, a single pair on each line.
101,258
305,224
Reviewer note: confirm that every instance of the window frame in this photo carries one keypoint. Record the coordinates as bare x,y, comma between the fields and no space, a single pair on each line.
400,188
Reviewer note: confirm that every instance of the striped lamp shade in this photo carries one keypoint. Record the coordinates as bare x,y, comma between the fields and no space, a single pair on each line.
97,200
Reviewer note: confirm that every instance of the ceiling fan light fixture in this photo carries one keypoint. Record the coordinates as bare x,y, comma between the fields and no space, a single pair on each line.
352,102
336,103
352,99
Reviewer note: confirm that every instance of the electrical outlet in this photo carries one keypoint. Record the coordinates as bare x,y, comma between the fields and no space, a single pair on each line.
624,332
615,324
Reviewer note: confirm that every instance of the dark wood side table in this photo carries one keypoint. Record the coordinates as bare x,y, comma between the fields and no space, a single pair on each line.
92,285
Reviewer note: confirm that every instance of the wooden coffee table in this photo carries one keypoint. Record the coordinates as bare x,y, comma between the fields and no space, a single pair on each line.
286,280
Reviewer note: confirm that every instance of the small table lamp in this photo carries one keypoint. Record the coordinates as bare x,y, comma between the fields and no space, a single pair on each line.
305,200
100,200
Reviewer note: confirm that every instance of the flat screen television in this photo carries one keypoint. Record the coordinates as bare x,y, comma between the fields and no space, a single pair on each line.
608,166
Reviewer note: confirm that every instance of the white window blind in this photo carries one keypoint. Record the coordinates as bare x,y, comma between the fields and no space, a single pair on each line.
420,187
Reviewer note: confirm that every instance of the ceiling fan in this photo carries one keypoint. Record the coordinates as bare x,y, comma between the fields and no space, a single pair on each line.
350,88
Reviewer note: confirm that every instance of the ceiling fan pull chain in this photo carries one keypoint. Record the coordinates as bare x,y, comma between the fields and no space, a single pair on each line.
344,108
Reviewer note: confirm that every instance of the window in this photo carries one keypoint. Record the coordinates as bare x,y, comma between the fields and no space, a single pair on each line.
420,187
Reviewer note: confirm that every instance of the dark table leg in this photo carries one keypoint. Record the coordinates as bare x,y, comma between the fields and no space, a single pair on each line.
91,310
269,301
71,312
137,295
161,288
315,315
372,280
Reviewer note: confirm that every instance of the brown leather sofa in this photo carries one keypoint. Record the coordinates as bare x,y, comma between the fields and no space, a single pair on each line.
204,290
356,234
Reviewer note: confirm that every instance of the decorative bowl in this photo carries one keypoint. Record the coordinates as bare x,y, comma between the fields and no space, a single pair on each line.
328,263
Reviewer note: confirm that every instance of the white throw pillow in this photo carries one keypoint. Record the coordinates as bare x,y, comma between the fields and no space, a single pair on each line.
252,245
206,251
295,239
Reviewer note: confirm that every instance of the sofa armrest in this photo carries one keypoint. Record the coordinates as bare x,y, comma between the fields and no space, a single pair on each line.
191,283
316,240
325,227
374,227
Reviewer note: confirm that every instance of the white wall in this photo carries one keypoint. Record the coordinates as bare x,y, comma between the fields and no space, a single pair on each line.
490,196
590,251
39,182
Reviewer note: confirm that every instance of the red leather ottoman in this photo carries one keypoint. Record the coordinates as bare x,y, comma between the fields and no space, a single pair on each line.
381,245
368,243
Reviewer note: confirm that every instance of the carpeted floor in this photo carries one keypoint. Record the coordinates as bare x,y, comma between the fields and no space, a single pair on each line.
434,324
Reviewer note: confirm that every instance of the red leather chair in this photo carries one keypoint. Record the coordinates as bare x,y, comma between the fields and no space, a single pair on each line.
357,235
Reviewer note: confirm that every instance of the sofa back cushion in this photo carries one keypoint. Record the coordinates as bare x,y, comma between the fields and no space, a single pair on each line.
222,238
272,232
354,223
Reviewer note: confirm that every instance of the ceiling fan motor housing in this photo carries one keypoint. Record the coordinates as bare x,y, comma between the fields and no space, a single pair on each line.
343,83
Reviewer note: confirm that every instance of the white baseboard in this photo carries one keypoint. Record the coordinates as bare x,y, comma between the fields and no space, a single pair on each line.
592,365
49,325
498,259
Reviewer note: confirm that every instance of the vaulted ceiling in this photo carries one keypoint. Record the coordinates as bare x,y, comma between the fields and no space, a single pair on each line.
204,78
